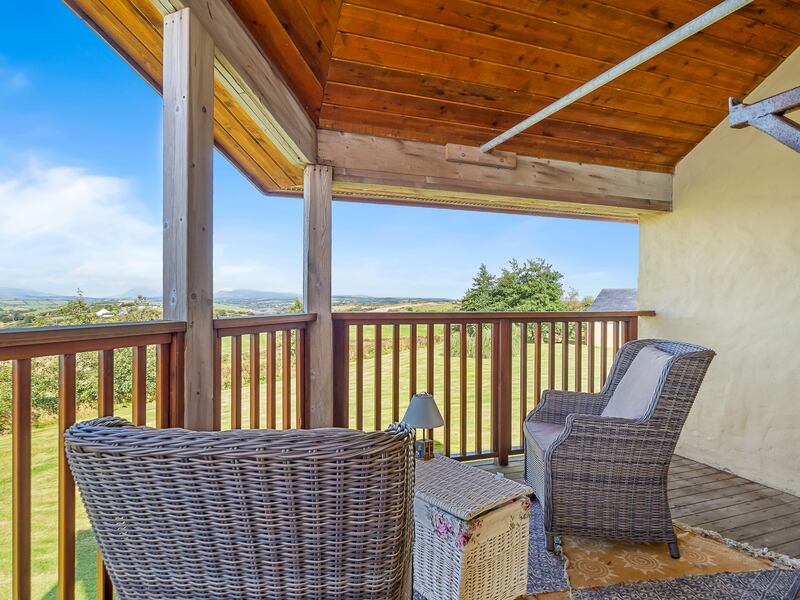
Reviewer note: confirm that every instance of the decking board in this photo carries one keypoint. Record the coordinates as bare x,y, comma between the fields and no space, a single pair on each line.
737,508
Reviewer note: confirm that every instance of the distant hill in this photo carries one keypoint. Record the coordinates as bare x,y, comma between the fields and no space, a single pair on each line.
147,292
9,293
228,295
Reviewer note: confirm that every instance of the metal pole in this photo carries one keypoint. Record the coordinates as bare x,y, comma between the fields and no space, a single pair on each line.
708,18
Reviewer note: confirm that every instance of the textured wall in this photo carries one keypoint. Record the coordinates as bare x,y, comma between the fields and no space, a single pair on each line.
723,270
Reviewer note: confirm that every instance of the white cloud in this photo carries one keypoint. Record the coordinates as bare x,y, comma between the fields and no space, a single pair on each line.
63,228
12,79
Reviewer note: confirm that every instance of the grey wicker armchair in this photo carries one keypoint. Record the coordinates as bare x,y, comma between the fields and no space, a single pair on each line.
248,514
606,476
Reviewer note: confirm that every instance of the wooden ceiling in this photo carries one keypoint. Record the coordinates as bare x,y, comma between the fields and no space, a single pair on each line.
461,71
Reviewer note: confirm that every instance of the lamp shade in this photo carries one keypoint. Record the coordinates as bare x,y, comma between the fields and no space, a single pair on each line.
423,413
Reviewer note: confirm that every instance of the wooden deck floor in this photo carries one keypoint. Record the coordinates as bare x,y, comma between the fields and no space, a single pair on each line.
737,508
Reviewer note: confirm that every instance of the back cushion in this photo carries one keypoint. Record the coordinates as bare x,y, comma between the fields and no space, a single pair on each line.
632,396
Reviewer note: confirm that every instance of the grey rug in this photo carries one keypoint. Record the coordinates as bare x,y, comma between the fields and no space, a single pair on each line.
775,584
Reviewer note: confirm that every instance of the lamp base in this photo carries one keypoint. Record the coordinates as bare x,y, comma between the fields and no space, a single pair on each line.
424,449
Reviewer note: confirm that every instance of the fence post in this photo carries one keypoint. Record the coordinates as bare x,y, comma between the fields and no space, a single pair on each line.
501,354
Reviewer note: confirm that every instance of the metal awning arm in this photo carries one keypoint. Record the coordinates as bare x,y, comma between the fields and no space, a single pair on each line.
768,116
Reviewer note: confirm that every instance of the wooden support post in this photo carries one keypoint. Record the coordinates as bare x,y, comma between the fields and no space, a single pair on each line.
317,293
188,145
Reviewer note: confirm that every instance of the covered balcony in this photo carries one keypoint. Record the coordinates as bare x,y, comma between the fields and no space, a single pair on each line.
388,102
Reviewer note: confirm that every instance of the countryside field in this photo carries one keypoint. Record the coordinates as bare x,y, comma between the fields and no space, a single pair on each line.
45,436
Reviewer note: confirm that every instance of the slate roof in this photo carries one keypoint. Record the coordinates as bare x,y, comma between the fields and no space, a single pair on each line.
615,299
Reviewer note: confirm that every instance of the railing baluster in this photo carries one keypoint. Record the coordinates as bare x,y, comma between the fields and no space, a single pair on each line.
360,377
603,352
412,362
537,359
523,378
139,385
590,325
578,356
478,387
163,353
341,374
176,376
272,380
236,382
396,373
255,381
378,343
66,484
105,408
501,342
616,337
447,391
463,383
21,478
301,410
217,405
565,356
286,379
429,366
551,356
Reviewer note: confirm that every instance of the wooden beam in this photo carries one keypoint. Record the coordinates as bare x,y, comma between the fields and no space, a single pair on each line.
407,172
317,293
188,145
768,116
249,75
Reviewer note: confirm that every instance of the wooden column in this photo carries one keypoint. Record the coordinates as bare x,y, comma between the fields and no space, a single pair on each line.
188,145
317,293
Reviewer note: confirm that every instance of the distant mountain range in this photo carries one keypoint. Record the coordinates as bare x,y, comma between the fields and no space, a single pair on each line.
10,293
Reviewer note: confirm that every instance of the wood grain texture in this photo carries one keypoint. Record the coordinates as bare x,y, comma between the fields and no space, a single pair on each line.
188,151
384,168
317,244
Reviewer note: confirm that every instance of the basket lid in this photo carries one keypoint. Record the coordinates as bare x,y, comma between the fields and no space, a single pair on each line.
461,490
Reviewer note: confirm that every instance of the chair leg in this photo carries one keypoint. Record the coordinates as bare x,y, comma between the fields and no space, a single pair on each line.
551,542
674,552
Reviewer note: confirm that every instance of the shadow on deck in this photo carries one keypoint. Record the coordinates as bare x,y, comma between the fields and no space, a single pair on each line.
706,497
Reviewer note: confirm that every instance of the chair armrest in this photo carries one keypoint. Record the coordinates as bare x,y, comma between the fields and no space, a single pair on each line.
588,436
556,406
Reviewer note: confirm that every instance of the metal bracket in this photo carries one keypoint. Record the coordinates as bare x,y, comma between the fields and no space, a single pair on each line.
768,115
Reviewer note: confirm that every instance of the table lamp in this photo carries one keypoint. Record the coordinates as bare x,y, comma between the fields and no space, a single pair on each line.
422,413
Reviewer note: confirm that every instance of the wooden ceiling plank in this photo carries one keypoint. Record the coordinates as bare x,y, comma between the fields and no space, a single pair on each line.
250,140
397,56
242,161
443,110
780,14
431,36
478,95
420,129
261,84
275,42
642,31
738,27
324,15
542,33
299,26
420,165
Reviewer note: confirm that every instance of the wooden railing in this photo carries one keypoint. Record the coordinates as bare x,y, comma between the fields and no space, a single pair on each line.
251,374
67,345
484,378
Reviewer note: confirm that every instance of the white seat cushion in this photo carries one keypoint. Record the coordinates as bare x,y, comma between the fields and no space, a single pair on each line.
634,392
542,435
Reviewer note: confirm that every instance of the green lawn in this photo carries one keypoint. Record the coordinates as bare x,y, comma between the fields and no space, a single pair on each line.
44,440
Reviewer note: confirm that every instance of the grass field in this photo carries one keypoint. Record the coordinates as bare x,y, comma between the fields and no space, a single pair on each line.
45,438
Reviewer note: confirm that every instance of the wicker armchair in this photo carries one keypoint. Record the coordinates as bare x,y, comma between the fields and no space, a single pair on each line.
607,476
248,514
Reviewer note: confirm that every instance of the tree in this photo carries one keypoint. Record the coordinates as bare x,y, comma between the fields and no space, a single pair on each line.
74,312
531,286
479,297
296,306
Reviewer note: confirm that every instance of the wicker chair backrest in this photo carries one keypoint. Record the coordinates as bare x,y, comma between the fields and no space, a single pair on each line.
247,514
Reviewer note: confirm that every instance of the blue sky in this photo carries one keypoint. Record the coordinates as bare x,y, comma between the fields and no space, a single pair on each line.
80,195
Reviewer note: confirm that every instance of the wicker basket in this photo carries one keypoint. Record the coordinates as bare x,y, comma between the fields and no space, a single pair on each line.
471,533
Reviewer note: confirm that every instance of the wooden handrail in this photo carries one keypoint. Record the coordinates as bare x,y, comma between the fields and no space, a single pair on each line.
36,342
423,318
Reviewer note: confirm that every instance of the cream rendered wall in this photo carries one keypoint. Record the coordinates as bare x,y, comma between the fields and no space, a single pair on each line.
723,270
